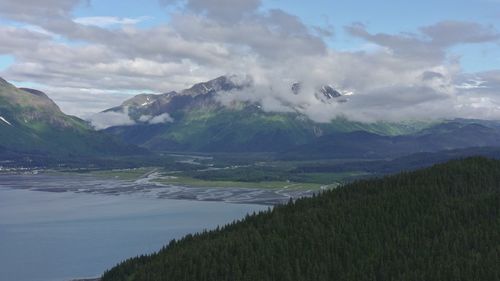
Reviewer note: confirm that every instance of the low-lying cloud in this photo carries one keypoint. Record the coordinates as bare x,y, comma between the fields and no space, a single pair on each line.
104,120
159,119
107,119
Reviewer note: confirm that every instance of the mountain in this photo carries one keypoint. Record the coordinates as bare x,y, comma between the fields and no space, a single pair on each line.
30,122
195,120
455,134
405,163
440,223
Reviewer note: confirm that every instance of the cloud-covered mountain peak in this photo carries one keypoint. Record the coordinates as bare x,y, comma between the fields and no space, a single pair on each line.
156,108
225,91
154,104
219,84
325,93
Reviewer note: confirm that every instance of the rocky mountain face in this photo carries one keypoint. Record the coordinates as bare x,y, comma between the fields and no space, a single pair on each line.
152,105
30,122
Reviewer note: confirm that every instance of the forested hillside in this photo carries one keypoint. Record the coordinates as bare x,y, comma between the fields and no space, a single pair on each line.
440,223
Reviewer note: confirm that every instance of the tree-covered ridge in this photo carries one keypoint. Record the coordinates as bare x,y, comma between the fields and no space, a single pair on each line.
440,223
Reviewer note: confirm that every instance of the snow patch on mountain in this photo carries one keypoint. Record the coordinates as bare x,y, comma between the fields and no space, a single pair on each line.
147,102
5,121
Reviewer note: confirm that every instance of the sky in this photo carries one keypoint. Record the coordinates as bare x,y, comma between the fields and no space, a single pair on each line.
398,60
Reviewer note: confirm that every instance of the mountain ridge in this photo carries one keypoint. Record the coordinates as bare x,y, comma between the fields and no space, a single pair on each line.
32,123
200,122
194,120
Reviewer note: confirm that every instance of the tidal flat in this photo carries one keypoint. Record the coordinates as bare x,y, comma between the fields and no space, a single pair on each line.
148,186
64,226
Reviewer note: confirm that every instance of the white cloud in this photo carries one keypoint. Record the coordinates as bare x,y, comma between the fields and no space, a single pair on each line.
432,42
222,10
160,119
103,120
71,99
109,21
393,76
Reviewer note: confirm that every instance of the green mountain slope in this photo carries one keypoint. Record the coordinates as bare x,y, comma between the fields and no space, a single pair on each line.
197,121
440,223
30,122
251,129
445,136
201,123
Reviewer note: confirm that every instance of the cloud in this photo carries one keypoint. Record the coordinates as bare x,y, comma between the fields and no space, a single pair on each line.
420,92
222,10
159,119
108,119
193,49
109,21
432,42
272,36
162,118
88,66
71,99
449,33
32,10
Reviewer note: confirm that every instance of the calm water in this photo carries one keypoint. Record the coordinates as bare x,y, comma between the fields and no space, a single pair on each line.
48,236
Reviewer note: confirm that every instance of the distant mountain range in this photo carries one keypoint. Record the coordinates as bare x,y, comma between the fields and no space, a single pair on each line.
194,120
444,136
197,121
30,122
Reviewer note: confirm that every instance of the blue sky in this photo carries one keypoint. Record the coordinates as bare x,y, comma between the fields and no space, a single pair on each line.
89,55
5,61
